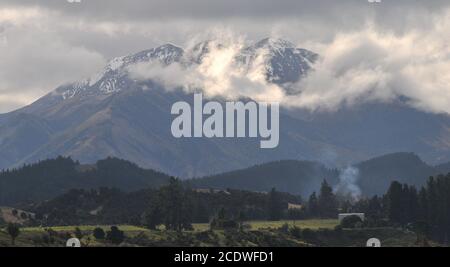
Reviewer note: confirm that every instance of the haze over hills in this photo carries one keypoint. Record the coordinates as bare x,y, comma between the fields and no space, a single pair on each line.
114,114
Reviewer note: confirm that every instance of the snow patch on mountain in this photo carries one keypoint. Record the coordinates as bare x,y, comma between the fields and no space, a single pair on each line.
113,78
269,61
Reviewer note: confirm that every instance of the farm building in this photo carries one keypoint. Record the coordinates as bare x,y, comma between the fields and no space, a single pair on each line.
211,191
362,216
294,206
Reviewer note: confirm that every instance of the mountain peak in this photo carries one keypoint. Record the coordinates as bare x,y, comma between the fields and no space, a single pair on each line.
285,64
167,53
274,43
200,50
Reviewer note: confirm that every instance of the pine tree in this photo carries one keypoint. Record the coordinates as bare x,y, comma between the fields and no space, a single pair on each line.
176,206
423,205
328,206
375,208
432,201
413,205
395,200
275,206
313,205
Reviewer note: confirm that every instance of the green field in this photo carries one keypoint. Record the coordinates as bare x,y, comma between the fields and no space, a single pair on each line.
254,225
313,224
259,233
125,228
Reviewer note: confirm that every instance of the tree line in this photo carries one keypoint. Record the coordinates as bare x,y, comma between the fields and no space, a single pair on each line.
177,206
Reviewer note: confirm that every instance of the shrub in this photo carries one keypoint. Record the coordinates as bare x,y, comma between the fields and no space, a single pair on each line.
99,234
351,222
78,233
115,235
14,231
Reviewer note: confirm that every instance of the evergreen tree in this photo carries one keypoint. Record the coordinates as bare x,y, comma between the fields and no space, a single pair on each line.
275,206
116,236
153,215
313,205
423,205
413,205
395,200
328,206
99,233
176,206
13,231
375,208
432,201
78,233
442,204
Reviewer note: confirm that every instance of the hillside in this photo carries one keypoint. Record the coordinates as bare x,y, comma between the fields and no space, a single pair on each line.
303,177
47,179
50,178
111,206
297,177
377,174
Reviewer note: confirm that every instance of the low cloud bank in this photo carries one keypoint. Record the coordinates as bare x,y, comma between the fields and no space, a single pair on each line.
354,68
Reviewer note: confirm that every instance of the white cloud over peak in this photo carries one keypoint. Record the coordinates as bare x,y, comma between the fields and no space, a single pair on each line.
368,65
368,53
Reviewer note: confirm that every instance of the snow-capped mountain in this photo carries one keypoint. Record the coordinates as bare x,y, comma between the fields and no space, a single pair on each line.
111,114
114,76
283,63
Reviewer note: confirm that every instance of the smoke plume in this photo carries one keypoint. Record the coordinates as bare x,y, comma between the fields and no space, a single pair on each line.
347,185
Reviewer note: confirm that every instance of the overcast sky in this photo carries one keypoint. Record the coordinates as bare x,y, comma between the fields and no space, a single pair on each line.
44,43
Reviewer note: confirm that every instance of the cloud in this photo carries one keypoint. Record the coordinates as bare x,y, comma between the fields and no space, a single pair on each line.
373,66
369,52
357,67
219,9
218,74
34,62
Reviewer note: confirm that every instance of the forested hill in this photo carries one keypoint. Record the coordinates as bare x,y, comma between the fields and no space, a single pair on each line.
47,179
296,177
50,178
111,206
374,176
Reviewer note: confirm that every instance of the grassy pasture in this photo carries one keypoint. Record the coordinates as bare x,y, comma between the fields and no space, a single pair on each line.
313,224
